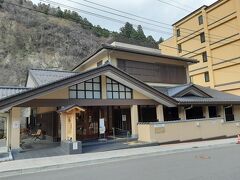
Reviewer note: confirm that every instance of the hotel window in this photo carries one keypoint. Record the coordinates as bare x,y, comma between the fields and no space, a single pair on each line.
90,89
178,33
116,90
200,19
204,56
179,48
202,37
206,76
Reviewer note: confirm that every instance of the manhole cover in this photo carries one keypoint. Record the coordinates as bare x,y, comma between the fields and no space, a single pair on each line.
204,157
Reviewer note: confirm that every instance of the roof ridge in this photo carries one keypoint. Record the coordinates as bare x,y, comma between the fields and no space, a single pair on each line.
13,87
38,69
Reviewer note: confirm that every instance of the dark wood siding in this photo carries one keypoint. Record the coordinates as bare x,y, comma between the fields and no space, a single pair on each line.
154,72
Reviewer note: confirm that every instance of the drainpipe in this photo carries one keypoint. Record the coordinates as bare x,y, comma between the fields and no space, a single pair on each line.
228,106
187,108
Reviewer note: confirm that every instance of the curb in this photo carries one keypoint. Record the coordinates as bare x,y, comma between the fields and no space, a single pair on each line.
104,160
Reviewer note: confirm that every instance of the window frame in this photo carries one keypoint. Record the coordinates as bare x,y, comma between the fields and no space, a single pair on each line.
178,32
205,56
202,37
179,48
75,88
200,20
206,76
113,92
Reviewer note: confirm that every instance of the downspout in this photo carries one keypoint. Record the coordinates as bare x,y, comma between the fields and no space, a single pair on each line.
187,108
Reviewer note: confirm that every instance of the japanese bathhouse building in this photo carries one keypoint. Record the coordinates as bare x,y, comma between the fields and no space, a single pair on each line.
125,88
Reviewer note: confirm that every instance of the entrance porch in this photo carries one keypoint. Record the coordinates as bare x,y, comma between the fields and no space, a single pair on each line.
94,122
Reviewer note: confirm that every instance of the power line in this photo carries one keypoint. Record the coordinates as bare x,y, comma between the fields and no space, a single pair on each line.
141,17
151,29
101,16
215,17
237,28
111,13
223,60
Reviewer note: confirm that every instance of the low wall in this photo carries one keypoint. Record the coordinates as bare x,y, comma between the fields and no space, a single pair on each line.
187,130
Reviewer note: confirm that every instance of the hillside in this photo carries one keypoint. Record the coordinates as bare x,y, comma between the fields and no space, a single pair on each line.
32,40
51,38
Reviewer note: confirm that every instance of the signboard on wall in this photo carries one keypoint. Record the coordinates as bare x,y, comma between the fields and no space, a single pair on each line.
102,127
16,125
75,145
124,117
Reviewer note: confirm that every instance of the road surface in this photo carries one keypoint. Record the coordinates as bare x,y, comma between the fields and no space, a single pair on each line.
215,163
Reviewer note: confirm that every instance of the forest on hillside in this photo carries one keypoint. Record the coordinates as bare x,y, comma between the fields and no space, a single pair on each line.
41,36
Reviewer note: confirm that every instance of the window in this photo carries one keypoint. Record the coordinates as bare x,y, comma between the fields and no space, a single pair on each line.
170,113
90,89
178,33
202,37
200,19
147,114
194,113
179,48
99,63
229,113
212,111
206,76
204,56
116,90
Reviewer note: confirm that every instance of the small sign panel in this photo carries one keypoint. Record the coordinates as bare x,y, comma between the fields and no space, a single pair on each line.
16,125
102,128
124,118
75,145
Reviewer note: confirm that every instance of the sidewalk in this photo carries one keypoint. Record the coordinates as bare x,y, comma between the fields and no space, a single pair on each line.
50,163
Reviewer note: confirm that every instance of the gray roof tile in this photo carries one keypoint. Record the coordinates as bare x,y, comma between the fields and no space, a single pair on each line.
216,96
6,91
42,77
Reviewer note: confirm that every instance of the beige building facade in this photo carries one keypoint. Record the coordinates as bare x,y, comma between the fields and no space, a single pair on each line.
118,90
210,34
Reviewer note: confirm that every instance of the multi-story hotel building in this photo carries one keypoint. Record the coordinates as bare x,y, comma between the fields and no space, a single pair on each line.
210,34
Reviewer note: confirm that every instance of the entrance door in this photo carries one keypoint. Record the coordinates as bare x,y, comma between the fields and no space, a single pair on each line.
3,131
122,119
87,124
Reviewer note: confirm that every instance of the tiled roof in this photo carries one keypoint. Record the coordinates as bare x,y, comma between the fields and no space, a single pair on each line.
175,90
215,95
42,77
6,91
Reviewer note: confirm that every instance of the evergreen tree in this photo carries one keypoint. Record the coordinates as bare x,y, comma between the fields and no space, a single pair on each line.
128,31
160,40
140,34
59,12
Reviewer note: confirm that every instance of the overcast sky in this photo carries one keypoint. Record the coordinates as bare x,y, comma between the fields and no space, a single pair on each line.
151,9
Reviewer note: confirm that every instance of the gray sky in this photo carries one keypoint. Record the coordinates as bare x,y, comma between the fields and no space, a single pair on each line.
151,9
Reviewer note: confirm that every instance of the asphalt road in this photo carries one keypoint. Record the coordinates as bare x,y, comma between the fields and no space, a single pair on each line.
217,163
